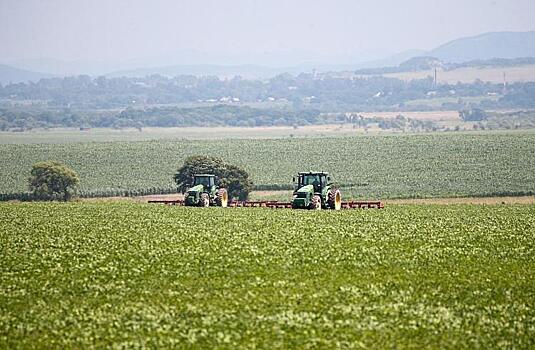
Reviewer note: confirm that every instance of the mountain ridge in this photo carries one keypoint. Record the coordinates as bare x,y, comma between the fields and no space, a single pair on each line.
486,46
9,74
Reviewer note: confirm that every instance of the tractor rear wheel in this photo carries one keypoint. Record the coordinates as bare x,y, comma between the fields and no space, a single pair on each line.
204,201
315,203
334,198
222,198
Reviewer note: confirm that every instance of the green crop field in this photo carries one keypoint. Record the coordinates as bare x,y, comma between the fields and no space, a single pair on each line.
185,133
428,165
127,275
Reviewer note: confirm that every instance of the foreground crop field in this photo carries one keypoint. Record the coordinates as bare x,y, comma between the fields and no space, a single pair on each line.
432,165
128,275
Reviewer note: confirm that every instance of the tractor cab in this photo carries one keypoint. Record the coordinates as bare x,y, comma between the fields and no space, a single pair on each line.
205,192
317,179
207,180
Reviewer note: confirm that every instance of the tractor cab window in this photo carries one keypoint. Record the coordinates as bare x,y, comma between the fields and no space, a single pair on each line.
206,181
316,180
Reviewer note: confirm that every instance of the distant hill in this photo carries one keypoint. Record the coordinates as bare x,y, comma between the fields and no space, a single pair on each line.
245,71
15,75
489,50
391,61
486,46
251,71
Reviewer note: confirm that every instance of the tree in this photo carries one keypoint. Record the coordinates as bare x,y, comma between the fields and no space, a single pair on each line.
53,181
474,114
231,177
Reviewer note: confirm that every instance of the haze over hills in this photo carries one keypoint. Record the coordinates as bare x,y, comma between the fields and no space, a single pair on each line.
487,46
260,71
245,71
15,75
481,47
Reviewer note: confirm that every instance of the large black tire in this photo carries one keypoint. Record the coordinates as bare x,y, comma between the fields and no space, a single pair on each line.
316,202
222,198
334,199
204,201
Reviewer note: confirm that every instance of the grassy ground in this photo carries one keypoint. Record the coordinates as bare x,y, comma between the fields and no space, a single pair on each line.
124,275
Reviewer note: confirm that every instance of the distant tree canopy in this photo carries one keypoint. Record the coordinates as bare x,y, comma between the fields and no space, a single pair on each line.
474,114
231,177
157,101
53,181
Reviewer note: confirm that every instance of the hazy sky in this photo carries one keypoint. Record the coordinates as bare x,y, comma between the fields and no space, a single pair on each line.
243,30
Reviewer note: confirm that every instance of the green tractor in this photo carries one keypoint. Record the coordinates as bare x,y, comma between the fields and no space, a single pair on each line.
205,192
315,191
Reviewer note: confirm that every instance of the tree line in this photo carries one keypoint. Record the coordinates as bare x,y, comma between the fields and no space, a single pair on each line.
217,115
85,102
303,90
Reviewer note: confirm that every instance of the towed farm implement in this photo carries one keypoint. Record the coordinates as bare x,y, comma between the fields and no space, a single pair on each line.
313,190
279,205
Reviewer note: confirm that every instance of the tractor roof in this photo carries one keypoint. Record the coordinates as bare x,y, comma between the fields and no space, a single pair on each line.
204,175
313,173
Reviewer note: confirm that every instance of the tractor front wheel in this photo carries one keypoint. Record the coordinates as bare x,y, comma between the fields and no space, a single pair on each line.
315,203
204,201
222,198
335,199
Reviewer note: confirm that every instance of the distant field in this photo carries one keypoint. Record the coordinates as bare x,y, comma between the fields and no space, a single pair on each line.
426,165
198,133
436,102
211,133
431,115
470,74
441,118
132,276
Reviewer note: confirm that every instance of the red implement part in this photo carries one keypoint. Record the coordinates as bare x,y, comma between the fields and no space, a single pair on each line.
363,205
281,205
168,201
260,204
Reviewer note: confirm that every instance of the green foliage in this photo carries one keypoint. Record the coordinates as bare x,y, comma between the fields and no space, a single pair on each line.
82,101
231,177
474,114
400,122
510,120
53,181
237,181
427,165
78,275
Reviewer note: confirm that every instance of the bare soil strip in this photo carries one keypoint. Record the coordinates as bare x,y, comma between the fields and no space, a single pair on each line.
260,194
465,200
